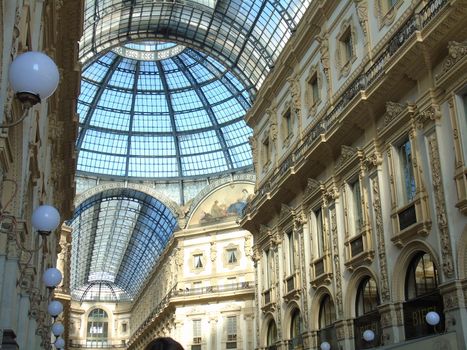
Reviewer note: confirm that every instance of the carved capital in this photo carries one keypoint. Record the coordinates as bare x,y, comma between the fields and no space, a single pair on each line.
432,113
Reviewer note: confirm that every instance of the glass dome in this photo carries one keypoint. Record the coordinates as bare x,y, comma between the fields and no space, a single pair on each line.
178,114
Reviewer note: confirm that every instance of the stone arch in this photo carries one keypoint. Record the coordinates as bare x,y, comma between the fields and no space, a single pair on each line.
315,303
402,263
174,207
291,307
462,254
268,318
351,294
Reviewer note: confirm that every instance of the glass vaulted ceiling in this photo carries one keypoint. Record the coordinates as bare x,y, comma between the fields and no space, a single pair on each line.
247,36
161,111
118,236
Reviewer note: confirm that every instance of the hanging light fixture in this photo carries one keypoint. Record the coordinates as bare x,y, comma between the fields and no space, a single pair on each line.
432,318
60,343
325,346
45,219
52,277
55,308
368,335
33,76
58,329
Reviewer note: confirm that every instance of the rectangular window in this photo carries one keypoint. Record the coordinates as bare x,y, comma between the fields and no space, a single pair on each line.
357,207
231,332
265,153
232,256
347,46
267,268
196,331
124,327
291,257
314,89
287,123
198,261
319,232
408,178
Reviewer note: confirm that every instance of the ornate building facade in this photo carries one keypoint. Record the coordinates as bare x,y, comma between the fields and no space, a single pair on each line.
37,167
201,290
359,218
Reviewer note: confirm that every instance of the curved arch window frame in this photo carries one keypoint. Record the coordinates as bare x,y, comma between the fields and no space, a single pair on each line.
360,303
367,318
296,329
421,298
271,335
411,285
97,328
327,312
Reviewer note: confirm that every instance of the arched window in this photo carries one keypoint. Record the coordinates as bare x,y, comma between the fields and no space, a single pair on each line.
326,319
422,277
295,330
271,336
367,297
422,296
97,329
367,314
327,312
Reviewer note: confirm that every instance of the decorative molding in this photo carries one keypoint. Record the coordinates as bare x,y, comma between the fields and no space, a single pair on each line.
379,224
337,268
393,109
254,150
372,161
441,215
295,94
324,51
312,186
344,63
285,212
310,101
432,113
272,124
384,13
362,14
347,153
457,51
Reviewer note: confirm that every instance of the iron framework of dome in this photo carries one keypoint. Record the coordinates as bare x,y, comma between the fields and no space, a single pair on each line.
247,36
170,117
118,236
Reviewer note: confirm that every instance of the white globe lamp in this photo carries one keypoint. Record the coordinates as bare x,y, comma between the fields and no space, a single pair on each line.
325,345
52,277
58,329
368,335
55,308
432,318
45,219
60,343
33,76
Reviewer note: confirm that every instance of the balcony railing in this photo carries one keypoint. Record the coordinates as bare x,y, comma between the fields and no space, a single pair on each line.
90,345
212,289
362,82
177,292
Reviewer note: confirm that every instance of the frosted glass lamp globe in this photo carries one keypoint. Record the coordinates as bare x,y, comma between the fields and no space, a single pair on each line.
57,329
432,318
55,308
52,277
33,76
45,218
